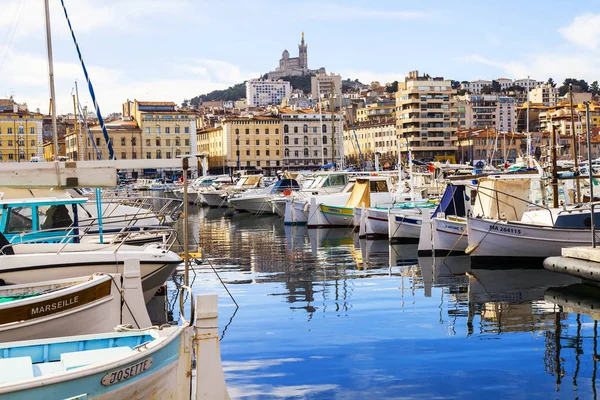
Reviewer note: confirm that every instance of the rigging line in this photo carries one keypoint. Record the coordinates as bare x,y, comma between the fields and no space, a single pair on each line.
12,35
111,152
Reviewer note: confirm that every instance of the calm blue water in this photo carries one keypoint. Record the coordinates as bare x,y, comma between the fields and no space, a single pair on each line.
323,315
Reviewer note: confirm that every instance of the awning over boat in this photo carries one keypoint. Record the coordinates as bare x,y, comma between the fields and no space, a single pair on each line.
361,194
330,165
453,201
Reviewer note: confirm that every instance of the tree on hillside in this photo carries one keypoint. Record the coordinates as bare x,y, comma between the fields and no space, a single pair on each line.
496,88
487,89
579,85
594,88
392,87
454,84
461,92
551,82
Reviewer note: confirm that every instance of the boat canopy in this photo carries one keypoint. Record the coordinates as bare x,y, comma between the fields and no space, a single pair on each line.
504,199
453,201
361,194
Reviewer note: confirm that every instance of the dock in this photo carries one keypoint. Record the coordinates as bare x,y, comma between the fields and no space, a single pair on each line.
582,262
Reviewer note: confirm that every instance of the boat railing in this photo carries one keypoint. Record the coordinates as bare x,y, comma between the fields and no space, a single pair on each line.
75,234
498,201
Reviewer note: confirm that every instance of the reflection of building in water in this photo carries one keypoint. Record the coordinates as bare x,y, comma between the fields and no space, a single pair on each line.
515,317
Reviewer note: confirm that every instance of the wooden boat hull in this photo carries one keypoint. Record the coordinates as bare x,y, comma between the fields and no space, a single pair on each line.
449,236
404,228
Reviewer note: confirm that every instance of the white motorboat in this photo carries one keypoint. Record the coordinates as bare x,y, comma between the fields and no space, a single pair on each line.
218,197
27,263
324,186
74,306
259,202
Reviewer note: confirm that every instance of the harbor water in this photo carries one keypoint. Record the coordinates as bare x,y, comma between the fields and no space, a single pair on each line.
324,315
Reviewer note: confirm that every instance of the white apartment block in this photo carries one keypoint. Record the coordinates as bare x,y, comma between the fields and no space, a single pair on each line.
308,138
527,83
545,95
475,86
505,83
323,86
262,93
488,111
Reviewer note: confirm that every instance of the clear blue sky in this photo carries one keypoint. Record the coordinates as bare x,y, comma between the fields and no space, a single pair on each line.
172,50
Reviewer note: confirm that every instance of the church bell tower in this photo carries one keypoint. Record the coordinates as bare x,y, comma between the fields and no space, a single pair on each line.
303,54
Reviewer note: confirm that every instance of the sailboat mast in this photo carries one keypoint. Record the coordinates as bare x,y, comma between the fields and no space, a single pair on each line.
51,75
575,152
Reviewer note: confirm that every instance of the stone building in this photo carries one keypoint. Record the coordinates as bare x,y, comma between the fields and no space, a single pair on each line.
294,66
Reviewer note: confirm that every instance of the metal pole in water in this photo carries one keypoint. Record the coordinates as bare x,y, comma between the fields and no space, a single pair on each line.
186,248
590,173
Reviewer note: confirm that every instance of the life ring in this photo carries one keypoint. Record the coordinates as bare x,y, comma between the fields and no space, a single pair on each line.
287,192
431,168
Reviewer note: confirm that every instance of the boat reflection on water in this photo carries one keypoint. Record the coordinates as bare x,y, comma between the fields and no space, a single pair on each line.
323,238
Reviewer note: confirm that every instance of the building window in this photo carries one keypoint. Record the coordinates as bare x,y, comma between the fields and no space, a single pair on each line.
157,130
168,154
315,153
305,152
148,130
177,142
305,129
257,131
296,140
315,142
277,131
148,155
258,163
177,129
324,152
167,130
32,131
9,131
258,142
21,130
267,142
237,131
168,142
268,153
123,155
286,152
186,130
187,142
122,141
157,143
247,152
324,139
133,155
286,140
133,141
247,131
296,153
286,129
295,129
306,140
10,157
32,142
158,154
324,129
97,141
258,152
247,142
276,142
10,143
148,143
276,152
266,131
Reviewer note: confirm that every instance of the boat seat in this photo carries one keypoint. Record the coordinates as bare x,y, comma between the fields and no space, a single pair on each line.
79,359
15,369
47,368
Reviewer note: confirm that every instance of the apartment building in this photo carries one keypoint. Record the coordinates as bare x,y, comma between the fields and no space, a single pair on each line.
489,145
262,93
545,95
256,140
326,87
475,86
20,133
310,139
210,143
426,118
375,112
372,136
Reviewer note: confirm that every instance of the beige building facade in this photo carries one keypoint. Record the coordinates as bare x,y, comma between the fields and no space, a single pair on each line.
426,120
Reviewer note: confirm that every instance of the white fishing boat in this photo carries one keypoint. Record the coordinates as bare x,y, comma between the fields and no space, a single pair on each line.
368,191
136,364
74,306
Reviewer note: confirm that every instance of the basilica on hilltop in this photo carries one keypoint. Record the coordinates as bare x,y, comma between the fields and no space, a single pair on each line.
294,66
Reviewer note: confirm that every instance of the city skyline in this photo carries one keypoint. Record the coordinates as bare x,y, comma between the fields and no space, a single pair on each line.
171,51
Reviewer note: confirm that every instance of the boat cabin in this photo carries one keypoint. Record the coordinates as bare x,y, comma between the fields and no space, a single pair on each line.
40,220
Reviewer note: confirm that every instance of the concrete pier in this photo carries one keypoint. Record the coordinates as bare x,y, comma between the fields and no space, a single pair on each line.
582,262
